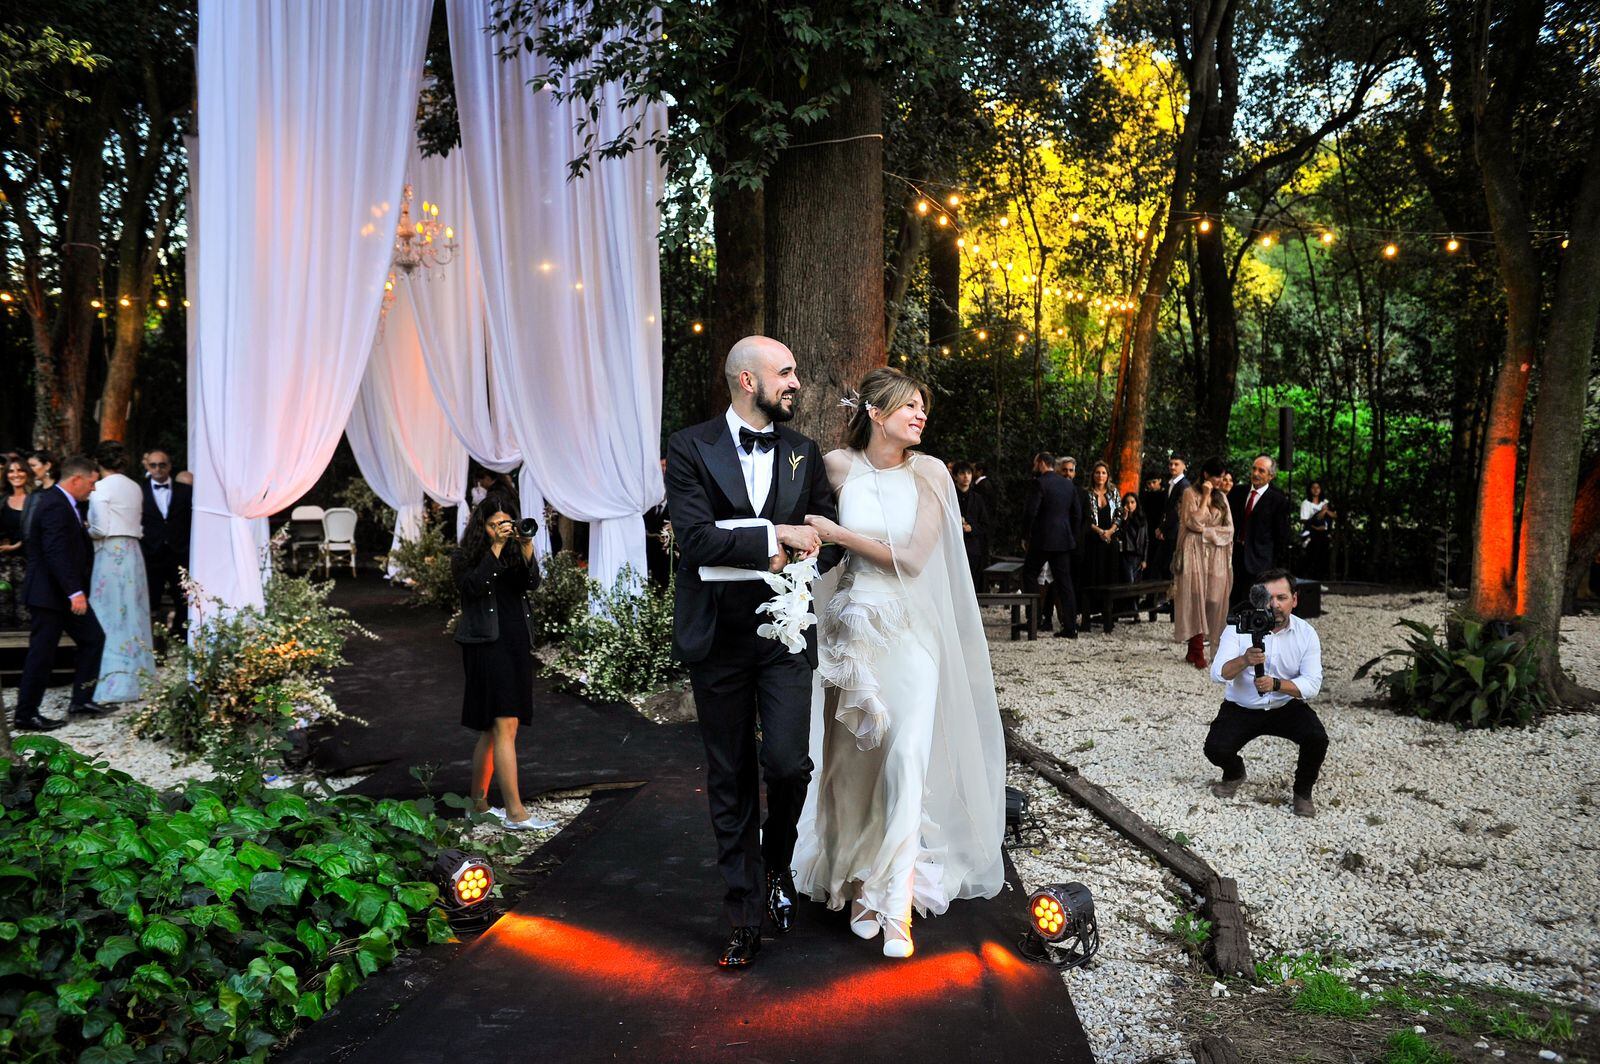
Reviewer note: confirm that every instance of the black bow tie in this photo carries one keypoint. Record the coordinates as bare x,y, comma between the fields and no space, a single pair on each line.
161,487
749,441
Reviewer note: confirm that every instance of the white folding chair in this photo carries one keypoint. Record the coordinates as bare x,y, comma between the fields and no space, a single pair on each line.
338,537
305,533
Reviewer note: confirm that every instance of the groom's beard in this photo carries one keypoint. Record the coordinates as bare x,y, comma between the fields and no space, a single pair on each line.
772,405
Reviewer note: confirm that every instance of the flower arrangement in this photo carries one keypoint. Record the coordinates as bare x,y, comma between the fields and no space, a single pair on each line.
790,607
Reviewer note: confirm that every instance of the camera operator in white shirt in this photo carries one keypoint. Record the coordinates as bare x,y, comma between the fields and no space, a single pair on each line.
1273,703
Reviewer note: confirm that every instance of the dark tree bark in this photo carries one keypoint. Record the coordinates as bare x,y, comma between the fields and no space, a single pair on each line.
1585,535
825,263
909,245
739,229
944,295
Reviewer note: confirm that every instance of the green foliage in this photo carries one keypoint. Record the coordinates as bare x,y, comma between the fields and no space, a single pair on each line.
559,603
1192,930
202,924
247,676
622,649
1295,967
1487,682
424,564
358,495
1325,993
1409,1047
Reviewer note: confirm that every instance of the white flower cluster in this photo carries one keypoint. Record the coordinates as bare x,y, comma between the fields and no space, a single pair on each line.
790,607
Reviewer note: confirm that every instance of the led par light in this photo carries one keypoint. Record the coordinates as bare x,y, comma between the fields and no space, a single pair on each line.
1062,930
463,881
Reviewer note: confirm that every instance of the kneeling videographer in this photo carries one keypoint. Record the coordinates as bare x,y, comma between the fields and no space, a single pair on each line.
1271,661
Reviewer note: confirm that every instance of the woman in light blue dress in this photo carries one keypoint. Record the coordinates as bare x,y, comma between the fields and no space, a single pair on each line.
118,590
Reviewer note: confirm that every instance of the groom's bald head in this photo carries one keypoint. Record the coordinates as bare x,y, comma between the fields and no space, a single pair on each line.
761,374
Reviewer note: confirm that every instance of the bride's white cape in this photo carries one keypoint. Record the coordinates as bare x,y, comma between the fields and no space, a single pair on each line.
912,636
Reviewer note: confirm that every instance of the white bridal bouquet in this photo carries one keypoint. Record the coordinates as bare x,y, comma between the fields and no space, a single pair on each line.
790,606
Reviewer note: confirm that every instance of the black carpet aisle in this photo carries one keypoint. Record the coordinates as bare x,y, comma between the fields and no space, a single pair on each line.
609,956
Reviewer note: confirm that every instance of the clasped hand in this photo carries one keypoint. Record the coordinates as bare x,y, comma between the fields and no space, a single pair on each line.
800,540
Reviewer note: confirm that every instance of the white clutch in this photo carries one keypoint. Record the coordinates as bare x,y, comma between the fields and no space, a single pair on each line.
724,574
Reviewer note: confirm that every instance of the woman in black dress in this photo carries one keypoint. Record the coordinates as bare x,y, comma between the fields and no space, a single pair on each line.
17,478
975,522
494,573
1133,541
1102,554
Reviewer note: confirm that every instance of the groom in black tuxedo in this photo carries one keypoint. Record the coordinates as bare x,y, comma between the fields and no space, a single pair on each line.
747,464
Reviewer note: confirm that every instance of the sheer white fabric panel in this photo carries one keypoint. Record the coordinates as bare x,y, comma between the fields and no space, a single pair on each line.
401,438
450,320
571,288
307,109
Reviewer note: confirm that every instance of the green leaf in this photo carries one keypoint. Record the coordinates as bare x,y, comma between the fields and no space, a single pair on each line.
403,816
8,931
72,997
309,1006
231,1002
266,889
8,869
341,980
113,949
289,807
163,936
1474,666
255,857
1480,709
104,1054
416,896
315,942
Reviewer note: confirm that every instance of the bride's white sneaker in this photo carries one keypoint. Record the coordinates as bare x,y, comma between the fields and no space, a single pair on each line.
897,939
863,921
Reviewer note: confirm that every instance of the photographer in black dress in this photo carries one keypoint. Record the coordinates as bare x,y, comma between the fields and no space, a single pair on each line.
494,572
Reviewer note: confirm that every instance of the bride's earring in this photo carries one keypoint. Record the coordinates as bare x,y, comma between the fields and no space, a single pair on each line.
897,939
863,921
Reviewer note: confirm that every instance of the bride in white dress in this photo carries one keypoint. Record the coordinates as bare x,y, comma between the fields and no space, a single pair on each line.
907,808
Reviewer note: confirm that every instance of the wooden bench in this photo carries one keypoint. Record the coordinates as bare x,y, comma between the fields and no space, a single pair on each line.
1024,611
1002,575
1108,596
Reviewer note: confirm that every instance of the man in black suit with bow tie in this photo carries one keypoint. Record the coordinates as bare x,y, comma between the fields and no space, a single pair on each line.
1051,518
746,464
168,513
56,591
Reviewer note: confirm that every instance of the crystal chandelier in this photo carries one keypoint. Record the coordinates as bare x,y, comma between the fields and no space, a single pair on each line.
419,243
427,243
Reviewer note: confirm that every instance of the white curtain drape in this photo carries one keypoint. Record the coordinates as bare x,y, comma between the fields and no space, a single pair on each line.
401,438
306,110
571,285
450,321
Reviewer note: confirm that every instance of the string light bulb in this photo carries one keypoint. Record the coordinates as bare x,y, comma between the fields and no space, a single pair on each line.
922,207
1205,225
1327,236
1022,337
1005,222
124,301
961,241
698,327
1564,243
994,264
1009,265
1075,217
186,304
1141,234
1452,245
953,200
1266,240
161,301
983,334
944,219
96,304
944,350
1390,250
5,297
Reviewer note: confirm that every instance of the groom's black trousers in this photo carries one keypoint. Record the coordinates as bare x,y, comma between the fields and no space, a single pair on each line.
744,679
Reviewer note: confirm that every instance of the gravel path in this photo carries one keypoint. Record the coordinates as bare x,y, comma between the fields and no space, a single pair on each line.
1473,855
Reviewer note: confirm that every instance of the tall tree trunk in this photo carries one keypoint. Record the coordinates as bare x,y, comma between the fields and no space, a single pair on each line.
1585,536
897,279
62,371
825,267
944,291
1556,443
738,227
1222,344
1208,16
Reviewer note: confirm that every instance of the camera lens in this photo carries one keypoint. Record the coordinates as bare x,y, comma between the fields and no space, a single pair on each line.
528,527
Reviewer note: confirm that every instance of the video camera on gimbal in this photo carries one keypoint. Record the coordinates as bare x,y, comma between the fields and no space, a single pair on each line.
1256,619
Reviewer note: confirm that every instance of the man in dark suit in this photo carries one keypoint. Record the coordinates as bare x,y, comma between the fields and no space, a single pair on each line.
56,591
746,465
1051,517
1166,533
1260,526
657,522
168,513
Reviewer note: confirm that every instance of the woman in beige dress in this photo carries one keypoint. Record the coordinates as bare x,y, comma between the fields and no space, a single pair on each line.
1202,564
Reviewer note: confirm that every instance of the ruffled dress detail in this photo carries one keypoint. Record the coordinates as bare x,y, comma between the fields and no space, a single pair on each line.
857,628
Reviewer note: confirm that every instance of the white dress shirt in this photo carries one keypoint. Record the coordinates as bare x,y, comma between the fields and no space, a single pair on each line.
116,508
757,465
162,493
1295,653
1252,500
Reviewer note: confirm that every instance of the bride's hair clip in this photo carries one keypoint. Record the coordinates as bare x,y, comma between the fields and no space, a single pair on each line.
851,401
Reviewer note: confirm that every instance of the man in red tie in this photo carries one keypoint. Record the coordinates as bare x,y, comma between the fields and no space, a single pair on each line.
1261,526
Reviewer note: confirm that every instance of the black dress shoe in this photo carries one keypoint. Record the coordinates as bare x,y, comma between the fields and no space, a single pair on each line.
90,709
780,903
1066,635
742,948
37,722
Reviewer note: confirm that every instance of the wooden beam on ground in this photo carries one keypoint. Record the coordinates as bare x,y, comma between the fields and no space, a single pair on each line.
1229,945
